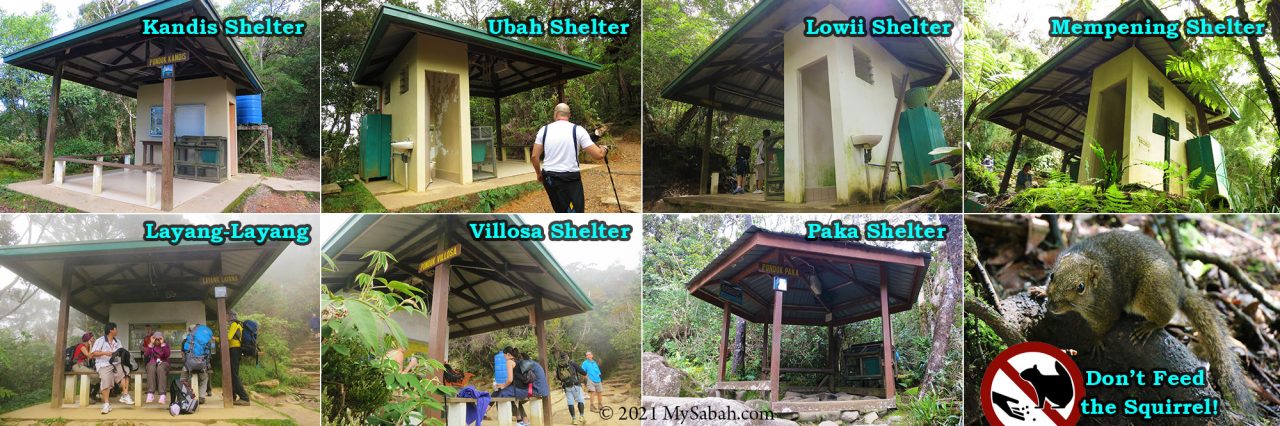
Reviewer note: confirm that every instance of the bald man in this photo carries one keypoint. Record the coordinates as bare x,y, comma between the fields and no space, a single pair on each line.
555,160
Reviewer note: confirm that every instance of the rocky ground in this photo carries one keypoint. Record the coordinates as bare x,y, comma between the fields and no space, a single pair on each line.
664,387
264,199
303,405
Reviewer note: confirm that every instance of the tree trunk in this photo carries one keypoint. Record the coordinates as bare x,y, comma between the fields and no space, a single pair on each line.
683,124
942,324
739,347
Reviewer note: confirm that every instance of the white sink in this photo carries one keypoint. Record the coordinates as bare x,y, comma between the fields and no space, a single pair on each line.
402,145
867,141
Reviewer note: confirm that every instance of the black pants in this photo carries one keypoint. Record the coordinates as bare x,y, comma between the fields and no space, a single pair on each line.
237,388
565,191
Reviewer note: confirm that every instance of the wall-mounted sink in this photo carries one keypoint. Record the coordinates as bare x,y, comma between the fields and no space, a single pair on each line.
402,146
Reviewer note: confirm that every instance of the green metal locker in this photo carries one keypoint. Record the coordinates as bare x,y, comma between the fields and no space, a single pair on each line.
920,131
1205,154
375,146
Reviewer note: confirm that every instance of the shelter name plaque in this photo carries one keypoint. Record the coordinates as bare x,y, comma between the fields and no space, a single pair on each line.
771,269
171,58
441,257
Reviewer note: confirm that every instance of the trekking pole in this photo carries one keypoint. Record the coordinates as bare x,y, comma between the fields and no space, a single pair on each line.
615,186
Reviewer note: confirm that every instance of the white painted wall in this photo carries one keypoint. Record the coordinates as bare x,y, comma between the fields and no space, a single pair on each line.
127,314
857,108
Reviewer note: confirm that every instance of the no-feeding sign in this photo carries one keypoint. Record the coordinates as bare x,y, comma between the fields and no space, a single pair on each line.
1032,383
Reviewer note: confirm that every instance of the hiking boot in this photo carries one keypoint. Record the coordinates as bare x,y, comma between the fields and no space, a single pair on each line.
106,408
241,402
151,397
202,400
162,399
126,399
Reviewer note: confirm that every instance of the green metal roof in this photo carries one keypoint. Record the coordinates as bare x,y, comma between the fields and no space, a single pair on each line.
111,54
744,64
493,282
1055,95
102,273
498,66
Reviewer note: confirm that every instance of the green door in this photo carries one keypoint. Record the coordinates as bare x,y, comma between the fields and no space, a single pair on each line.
375,146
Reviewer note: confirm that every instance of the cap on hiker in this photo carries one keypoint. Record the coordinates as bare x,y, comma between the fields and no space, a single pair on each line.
232,315
158,335
562,110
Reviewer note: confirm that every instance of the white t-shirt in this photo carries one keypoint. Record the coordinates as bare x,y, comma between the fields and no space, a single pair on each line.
759,151
561,155
102,345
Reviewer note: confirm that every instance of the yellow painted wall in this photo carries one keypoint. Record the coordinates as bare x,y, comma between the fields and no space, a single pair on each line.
218,96
406,110
1141,145
857,108
409,111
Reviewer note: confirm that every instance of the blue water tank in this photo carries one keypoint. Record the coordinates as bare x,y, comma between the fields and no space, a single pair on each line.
249,109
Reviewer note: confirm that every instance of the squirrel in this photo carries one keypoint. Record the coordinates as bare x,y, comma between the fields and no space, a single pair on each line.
1114,272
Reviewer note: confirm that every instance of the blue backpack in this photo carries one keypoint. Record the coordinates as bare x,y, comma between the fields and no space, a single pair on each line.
249,339
197,347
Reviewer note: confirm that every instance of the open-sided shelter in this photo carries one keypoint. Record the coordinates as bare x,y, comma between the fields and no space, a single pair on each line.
1117,93
134,282
836,96
191,102
426,69
473,286
828,284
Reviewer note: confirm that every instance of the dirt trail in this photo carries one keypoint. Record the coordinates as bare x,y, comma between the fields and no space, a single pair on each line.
624,159
619,394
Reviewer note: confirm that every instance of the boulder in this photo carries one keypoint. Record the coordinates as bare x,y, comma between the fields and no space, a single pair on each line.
818,416
828,423
849,416
660,379
758,404
702,411
870,418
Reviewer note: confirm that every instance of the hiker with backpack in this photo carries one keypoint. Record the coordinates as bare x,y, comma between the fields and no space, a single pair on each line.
529,380
157,357
593,381
241,340
197,350
502,366
555,160
111,369
76,357
571,377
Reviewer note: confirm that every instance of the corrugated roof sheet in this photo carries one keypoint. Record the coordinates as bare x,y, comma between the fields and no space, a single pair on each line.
848,278
125,271
498,66
491,280
1055,96
111,54
745,63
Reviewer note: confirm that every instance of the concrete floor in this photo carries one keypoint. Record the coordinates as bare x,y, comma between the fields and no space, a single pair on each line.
755,203
124,191
211,410
394,197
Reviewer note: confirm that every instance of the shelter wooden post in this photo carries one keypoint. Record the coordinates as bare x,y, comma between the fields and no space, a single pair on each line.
224,349
51,129
724,342
64,311
1013,156
887,328
764,348
833,350
497,128
166,150
775,359
560,92
438,328
540,333
704,173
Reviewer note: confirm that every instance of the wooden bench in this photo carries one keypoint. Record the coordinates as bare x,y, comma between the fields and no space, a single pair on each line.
60,170
456,410
69,395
